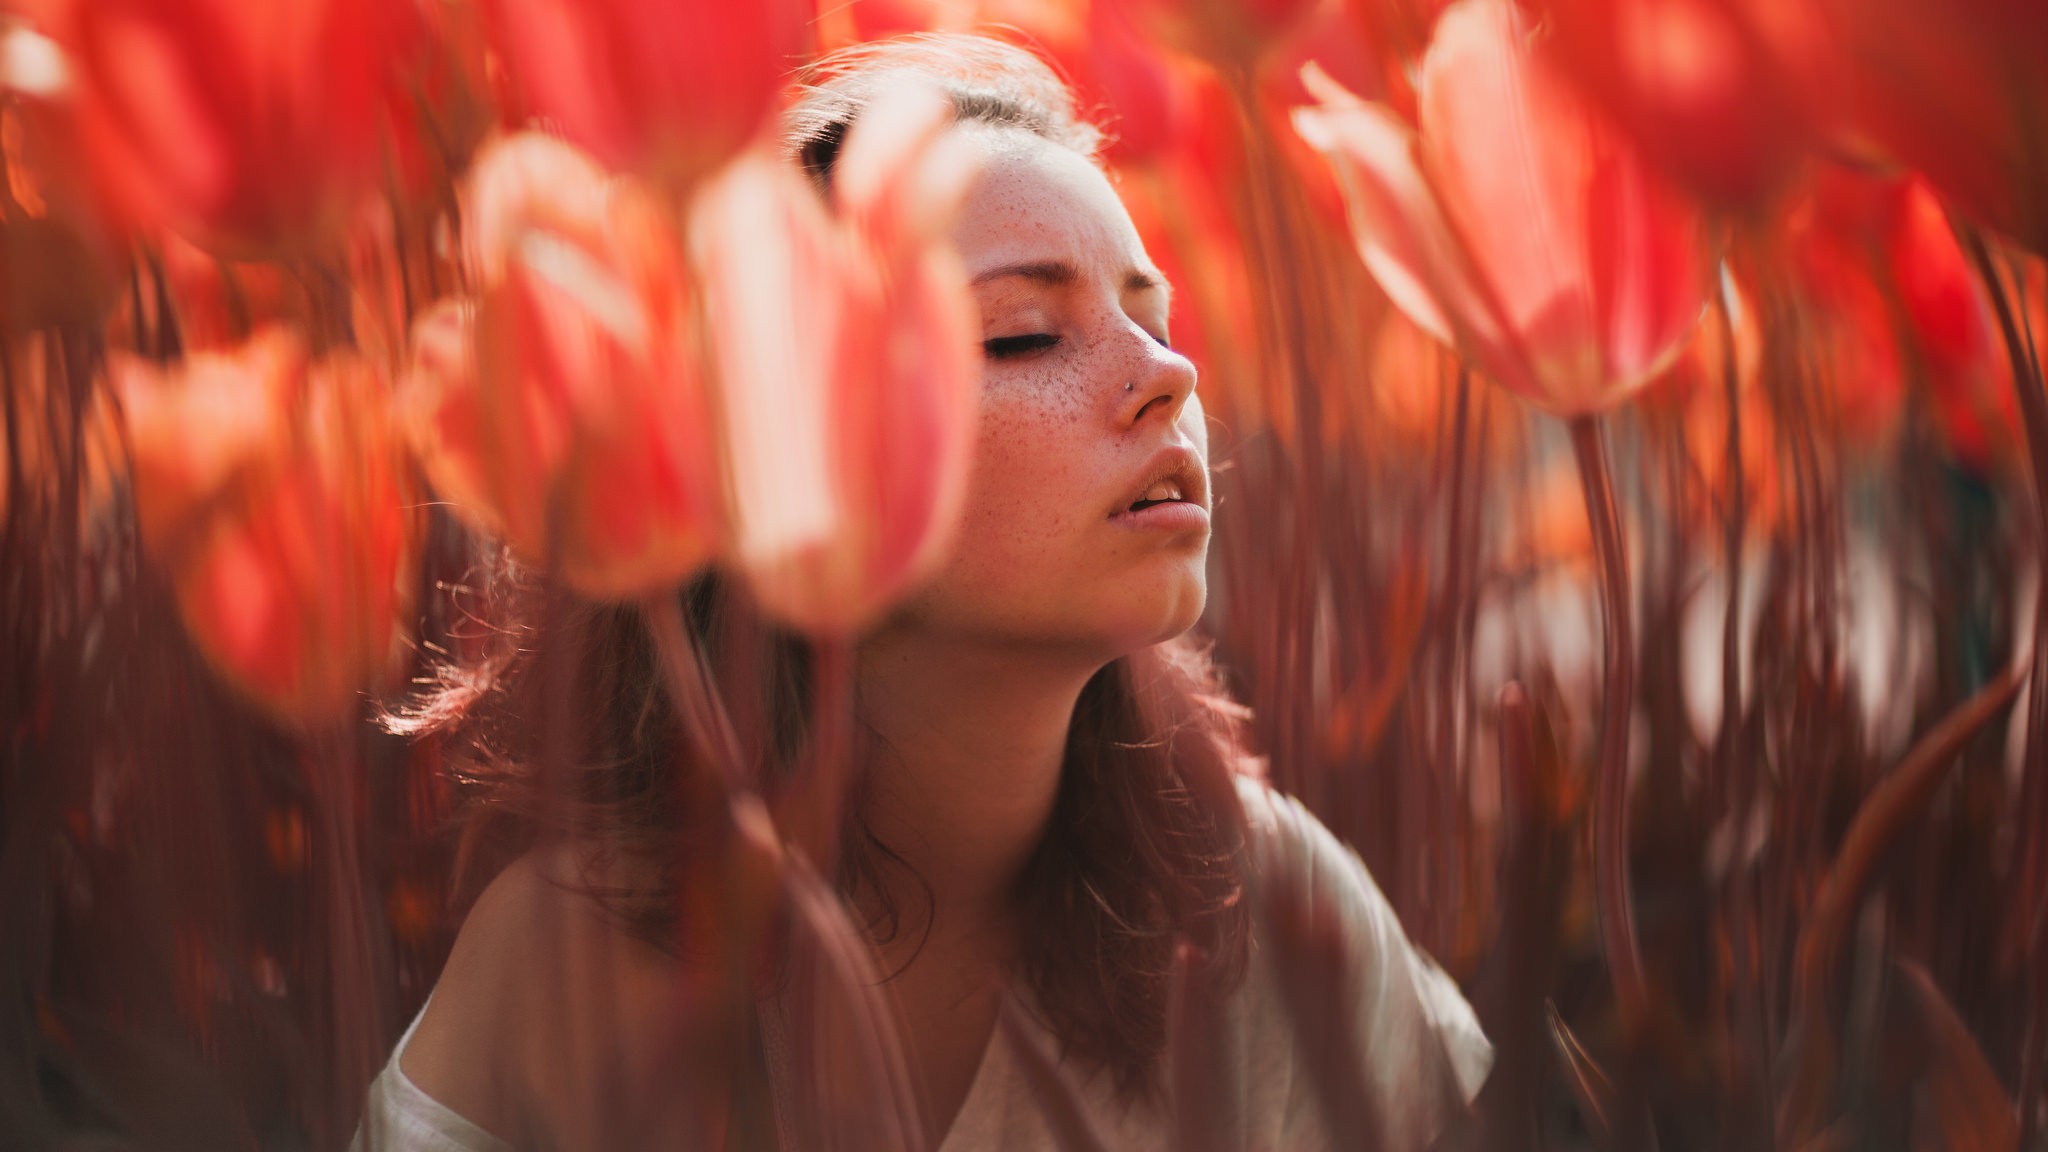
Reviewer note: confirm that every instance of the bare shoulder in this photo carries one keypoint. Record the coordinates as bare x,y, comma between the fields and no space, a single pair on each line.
542,995
465,1052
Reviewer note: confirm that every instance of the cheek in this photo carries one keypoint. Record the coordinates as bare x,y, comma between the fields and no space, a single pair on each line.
1028,490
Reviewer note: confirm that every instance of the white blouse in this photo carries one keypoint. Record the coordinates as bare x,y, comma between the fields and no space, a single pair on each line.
1423,1049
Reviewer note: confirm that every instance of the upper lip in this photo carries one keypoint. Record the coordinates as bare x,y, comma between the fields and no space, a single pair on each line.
1179,464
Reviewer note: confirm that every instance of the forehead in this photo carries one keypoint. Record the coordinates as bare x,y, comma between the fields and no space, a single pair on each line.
1036,200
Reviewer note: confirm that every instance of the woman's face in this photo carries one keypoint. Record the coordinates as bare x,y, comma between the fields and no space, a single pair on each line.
1087,519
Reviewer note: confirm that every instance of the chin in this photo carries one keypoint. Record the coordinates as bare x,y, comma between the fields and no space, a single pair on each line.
1171,608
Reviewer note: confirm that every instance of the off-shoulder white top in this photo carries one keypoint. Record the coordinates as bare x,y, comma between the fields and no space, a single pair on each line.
1424,1050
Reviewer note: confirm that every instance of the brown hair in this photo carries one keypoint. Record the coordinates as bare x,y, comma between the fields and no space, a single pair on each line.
1144,849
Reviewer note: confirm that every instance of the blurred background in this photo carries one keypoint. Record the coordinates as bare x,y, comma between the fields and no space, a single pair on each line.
1630,444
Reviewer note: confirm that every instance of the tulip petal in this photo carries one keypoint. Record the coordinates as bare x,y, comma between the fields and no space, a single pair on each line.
763,240
525,181
1649,270
293,567
848,350
669,86
190,432
1403,235
569,413
903,172
1512,160
246,128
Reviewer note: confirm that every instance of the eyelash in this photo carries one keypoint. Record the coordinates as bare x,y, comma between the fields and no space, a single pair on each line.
1009,347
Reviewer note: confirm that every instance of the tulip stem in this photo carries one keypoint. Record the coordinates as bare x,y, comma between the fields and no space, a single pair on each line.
692,692
2033,806
1610,806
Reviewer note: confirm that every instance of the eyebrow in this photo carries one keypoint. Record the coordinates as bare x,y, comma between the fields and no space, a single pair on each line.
1060,273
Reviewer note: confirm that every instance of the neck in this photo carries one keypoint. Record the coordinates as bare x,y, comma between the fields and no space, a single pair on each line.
972,737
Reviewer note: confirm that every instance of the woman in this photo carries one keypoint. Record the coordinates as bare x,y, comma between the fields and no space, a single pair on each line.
1034,734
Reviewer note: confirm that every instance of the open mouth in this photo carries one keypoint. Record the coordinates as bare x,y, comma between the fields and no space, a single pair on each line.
1164,492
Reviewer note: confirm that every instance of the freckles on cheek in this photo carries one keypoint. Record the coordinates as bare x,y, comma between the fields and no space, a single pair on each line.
1026,482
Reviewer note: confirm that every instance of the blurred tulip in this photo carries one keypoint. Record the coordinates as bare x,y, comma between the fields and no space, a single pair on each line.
217,302
1516,225
443,106
1229,32
1956,90
250,129
1948,316
1695,85
1551,528
848,349
673,87
1891,300
843,23
566,409
273,491
1693,398
1348,42
1348,52
1400,27
1143,90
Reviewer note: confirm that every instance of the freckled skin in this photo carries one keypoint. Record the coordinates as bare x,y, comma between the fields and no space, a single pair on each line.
1062,444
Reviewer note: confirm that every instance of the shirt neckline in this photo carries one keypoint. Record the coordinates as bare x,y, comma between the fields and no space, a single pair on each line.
982,1092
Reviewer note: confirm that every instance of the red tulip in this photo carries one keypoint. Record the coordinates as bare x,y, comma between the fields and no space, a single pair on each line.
1695,84
671,86
1136,90
249,128
1891,298
1957,90
217,303
1343,49
565,410
1233,32
1400,27
848,346
273,490
442,105
1515,224
846,22
1956,343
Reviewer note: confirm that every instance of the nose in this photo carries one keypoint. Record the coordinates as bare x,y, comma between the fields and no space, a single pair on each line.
1156,385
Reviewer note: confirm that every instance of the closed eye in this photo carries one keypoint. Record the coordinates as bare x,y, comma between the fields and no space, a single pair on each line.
1007,347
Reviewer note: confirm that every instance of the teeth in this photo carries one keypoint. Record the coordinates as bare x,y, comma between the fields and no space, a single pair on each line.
1164,490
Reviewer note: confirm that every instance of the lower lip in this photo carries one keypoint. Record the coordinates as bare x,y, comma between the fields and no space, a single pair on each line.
1173,516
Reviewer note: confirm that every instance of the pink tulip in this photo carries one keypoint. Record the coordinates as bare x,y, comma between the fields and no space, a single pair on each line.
848,350
1515,224
565,409
273,491
674,86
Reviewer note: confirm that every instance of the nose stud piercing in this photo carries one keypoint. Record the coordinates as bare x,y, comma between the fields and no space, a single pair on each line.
1130,386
